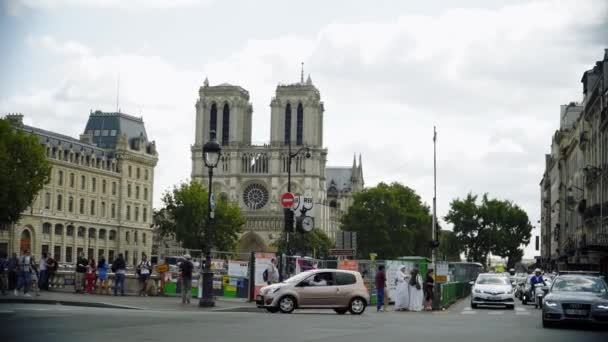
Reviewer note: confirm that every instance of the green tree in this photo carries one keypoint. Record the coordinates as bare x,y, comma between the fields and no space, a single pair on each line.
185,217
511,228
449,246
390,220
314,243
474,236
24,170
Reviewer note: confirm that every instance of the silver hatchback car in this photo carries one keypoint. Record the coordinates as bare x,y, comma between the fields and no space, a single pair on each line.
339,290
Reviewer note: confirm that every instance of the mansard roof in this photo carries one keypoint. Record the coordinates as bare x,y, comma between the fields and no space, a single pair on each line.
106,128
65,142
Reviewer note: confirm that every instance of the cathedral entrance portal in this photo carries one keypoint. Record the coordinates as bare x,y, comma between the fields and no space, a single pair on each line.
251,242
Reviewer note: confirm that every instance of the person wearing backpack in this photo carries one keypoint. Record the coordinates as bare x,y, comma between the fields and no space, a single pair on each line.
119,267
271,273
186,267
143,271
51,268
81,268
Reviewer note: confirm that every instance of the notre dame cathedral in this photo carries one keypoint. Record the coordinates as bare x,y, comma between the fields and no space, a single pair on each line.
255,176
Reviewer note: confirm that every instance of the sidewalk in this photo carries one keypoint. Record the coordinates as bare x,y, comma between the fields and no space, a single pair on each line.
128,302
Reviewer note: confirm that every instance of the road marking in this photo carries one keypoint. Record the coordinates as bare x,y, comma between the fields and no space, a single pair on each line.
520,309
496,312
468,308
469,312
522,313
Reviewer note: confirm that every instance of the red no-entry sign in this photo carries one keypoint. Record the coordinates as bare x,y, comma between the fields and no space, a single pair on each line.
287,200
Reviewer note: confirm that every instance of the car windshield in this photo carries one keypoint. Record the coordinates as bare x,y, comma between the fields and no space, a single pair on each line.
579,284
493,281
299,277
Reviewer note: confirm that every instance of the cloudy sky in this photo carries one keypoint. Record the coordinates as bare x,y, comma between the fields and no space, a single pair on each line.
490,74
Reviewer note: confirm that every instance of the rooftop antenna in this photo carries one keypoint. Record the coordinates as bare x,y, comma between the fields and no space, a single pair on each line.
302,74
118,94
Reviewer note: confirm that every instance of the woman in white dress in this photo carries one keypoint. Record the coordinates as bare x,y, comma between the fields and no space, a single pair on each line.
416,291
402,296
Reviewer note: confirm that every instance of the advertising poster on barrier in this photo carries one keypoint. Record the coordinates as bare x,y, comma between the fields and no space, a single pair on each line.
238,269
304,264
392,267
262,261
349,265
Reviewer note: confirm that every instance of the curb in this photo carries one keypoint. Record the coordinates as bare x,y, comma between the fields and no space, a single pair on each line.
66,303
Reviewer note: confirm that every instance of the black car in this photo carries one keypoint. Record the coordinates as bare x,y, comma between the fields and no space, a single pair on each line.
576,298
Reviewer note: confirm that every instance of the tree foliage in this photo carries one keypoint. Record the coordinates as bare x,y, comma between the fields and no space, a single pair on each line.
390,220
497,226
449,246
185,217
314,243
24,170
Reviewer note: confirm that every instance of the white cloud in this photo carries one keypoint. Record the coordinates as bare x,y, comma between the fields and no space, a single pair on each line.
491,80
14,6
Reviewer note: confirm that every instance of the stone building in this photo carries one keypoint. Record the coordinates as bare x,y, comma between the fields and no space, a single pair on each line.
255,176
574,189
99,198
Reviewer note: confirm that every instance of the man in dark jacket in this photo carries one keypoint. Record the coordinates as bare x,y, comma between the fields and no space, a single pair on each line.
119,267
13,272
186,268
81,268
3,273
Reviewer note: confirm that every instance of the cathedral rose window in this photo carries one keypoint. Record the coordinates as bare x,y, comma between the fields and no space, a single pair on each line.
255,196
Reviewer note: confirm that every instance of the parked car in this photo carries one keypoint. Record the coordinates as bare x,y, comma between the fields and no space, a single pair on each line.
492,289
339,290
576,298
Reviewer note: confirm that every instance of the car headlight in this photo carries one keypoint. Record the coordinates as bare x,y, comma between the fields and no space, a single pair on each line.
274,290
550,303
602,306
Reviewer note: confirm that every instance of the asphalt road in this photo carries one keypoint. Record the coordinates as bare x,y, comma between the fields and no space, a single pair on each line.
33,322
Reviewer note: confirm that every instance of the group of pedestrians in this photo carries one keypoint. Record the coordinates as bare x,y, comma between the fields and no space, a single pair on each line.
23,273
91,276
413,293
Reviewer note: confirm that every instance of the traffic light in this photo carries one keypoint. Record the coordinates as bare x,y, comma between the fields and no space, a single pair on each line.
289,220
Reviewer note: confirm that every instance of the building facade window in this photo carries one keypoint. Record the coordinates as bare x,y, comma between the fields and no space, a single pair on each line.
128,212
57,253
103,186
287,123
112,235
145,194
72,181
81,231
103,209
59,202
68,254
144,238
45,249
81,206
129,190
94,184
60,178
47,201
113,210
138,173
300,125
69,231
226,125
102,234
136,214
71,204
58,229
46,228
137,192
111,256
146,174
127,237
83,182
130,171
145,214
92,207
213,119
113,188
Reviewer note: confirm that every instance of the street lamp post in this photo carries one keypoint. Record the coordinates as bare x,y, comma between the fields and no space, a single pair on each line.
211,156
286,211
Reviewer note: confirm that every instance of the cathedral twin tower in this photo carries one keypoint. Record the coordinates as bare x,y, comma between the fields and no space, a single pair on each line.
256,176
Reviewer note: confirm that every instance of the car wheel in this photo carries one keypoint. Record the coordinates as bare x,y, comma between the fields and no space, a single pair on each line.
340,311
287,304
272,310
473,306
357,306
510,307
524,301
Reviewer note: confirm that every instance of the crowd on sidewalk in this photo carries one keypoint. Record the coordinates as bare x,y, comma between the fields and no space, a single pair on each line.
25,274
412,292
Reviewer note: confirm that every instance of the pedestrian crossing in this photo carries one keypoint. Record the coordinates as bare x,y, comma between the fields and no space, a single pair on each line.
494,312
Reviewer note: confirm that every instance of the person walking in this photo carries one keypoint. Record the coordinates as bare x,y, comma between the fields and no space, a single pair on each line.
25,275
102,277
144,269
380,287
35,277
186,267
402,294
416,291
3,274
119,267
90,275
43,272
271,274
13,273
51,268
81,269
429,286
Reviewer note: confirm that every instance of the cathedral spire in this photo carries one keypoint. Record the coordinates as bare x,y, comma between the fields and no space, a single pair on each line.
309,80
206,82
302,74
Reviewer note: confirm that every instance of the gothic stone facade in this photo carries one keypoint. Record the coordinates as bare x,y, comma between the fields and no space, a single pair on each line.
256,176
99,198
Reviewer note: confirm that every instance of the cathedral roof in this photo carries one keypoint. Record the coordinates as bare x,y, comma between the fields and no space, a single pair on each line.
338,178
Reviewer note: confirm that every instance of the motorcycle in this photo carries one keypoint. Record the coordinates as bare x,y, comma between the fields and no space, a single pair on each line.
540,291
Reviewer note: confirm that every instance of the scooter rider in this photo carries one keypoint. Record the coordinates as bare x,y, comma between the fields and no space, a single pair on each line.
537,279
